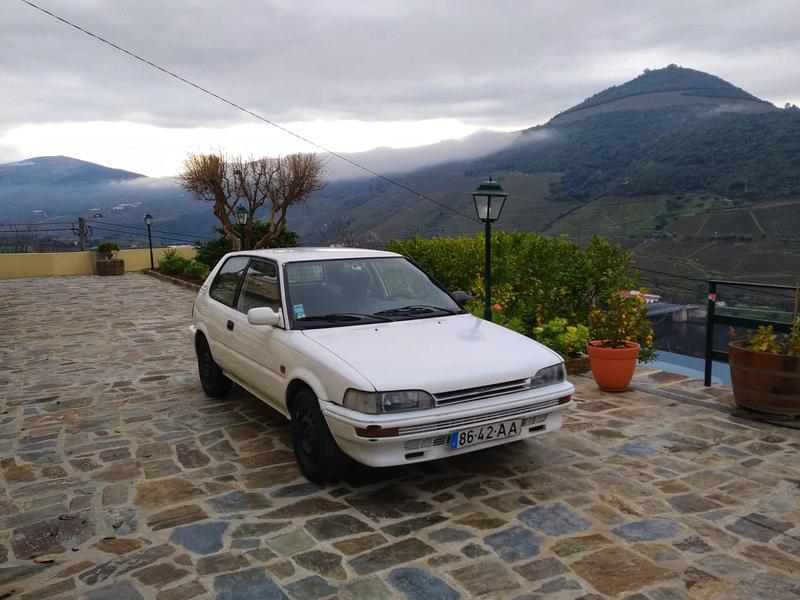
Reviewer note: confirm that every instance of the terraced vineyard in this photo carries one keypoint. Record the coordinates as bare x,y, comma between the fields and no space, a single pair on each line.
705,237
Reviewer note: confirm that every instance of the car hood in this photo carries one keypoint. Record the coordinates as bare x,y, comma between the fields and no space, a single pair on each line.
435,354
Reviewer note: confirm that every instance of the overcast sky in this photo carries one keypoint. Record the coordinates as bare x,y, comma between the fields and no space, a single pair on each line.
351,75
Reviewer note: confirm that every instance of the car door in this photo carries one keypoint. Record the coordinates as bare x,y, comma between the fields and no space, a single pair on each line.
220,313
258,349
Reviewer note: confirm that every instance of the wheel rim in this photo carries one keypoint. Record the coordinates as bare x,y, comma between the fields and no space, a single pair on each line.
308,442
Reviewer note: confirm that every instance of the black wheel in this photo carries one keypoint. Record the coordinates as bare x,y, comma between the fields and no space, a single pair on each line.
213,380
319,458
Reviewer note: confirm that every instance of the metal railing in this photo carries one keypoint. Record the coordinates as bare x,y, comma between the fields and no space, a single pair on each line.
713,319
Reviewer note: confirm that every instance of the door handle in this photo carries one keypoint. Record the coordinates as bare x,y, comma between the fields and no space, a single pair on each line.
229,325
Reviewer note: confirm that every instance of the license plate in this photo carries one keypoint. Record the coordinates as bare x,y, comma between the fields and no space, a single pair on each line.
484,433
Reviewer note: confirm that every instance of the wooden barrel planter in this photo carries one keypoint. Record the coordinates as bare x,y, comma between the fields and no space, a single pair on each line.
765,382
111,266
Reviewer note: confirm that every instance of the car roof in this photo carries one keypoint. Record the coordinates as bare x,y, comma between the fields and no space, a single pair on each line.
287,255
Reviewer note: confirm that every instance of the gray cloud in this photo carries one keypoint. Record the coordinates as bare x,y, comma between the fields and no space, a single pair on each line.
392,161
504,64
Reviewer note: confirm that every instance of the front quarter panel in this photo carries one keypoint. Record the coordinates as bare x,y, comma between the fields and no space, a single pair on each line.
327,374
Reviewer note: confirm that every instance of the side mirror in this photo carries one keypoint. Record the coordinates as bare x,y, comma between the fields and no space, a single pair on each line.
263,315
460,297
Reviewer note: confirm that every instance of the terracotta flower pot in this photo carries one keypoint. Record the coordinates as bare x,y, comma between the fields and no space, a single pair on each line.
612,367
765,382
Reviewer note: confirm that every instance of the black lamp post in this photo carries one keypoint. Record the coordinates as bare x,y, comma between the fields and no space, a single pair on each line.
489,200
241,219
148,220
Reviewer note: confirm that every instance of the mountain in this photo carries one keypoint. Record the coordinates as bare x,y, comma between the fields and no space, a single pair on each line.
694,174
53,191
668,131
659,88
59,189
60,170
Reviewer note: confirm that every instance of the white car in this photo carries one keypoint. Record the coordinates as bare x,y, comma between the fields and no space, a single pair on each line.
370,358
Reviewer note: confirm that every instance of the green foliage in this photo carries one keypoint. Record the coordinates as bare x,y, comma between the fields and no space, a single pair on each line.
172,263
567,340
210,252
619,319
740,155
766,340
196,270
670,150
534,278
108,249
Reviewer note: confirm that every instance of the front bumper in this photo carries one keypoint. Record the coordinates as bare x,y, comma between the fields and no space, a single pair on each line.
424,434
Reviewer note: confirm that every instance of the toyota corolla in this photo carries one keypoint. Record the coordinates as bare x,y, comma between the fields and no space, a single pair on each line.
370,358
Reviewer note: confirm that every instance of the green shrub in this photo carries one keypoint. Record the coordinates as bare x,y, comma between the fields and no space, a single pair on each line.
172,263
567,340
196,270
534,278
108,249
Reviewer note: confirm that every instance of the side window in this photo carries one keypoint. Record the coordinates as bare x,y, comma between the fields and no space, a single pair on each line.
225,284
260,287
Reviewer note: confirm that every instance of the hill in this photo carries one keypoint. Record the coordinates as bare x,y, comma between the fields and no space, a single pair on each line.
702,135
675,160
60,170
52,191
670,86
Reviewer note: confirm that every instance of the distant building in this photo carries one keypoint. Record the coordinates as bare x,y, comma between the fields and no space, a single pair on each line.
648,298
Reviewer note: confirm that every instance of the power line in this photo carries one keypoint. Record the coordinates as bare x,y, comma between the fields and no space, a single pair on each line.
141,235
248,111
35,224
137,228
36,230
670,274
749,290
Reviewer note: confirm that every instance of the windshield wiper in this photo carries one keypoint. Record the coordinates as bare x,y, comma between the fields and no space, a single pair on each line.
415,309
343,317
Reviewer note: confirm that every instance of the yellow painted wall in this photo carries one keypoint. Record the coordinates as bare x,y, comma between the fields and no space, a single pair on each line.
34,264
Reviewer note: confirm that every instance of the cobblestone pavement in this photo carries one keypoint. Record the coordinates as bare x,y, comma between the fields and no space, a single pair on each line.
121,480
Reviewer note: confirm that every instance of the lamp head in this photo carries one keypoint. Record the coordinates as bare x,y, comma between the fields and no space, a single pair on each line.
489,199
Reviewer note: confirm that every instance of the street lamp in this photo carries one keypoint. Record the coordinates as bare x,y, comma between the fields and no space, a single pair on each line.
148,220
489,200
241,218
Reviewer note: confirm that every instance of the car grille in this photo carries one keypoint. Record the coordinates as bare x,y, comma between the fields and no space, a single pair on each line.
426,442
482,418
478,393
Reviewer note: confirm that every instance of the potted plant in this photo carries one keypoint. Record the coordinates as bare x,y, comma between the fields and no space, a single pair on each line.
765,370
107,263
621,335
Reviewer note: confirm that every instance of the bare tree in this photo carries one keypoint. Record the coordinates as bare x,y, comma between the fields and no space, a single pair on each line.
347,236
274,183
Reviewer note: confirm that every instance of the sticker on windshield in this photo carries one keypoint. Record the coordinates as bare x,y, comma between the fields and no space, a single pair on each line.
299,311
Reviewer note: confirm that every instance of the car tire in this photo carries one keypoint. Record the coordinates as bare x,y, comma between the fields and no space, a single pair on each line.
213,380
319,457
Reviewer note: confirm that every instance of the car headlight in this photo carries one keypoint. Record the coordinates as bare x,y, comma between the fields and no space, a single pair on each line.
374,403
548,376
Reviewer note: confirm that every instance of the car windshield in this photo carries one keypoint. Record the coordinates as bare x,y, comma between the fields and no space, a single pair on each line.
338,293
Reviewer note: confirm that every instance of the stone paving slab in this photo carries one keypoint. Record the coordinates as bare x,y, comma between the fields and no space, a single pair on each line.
121,480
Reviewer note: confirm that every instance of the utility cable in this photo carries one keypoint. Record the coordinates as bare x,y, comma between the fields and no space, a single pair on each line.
141,235
139,228
249,112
